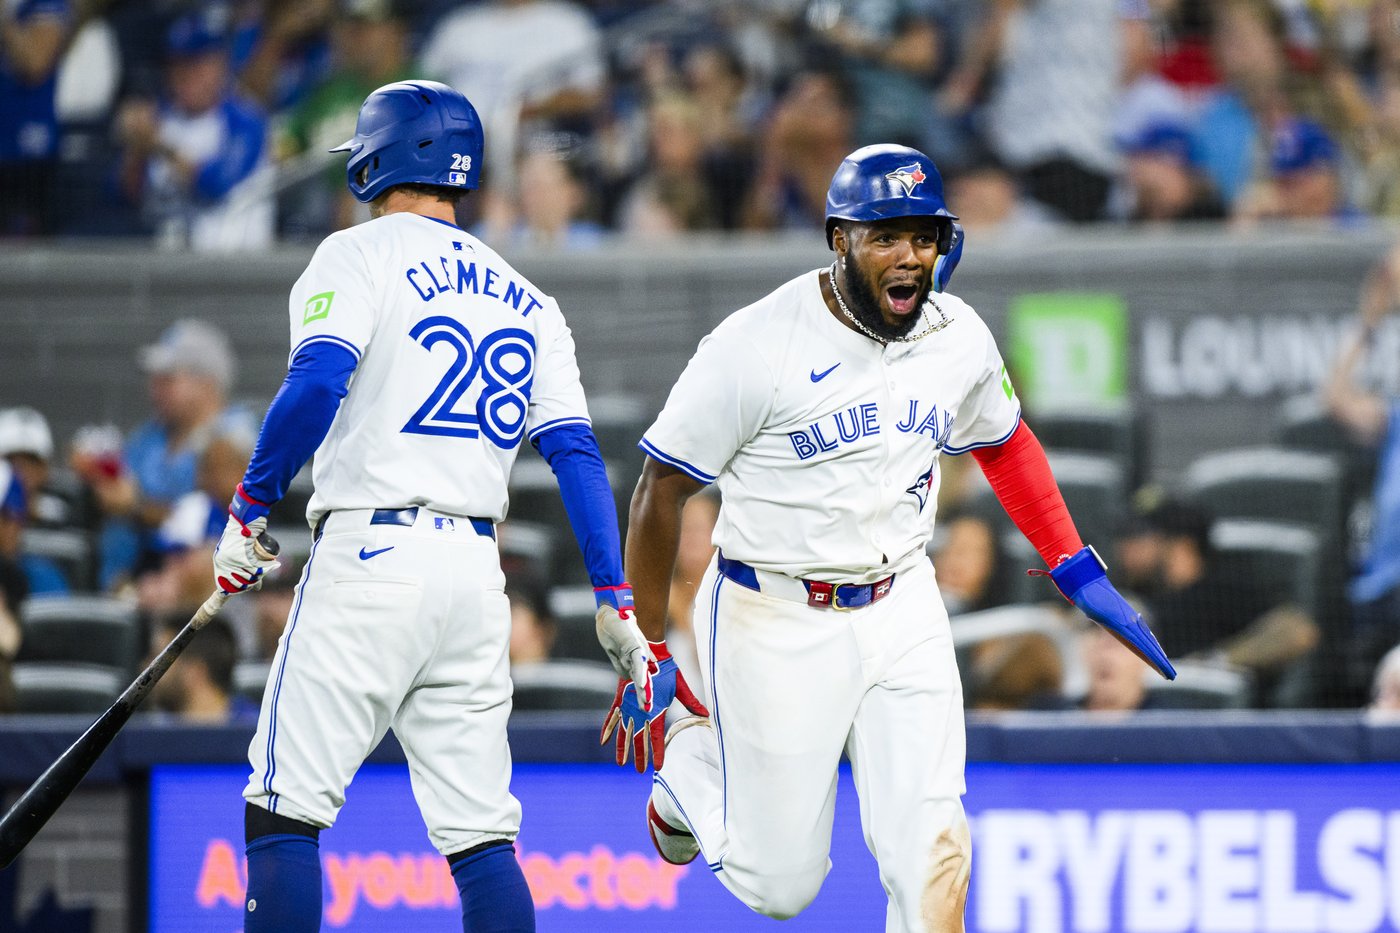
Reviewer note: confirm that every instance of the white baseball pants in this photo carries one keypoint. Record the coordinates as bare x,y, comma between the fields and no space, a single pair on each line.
789,688
402,626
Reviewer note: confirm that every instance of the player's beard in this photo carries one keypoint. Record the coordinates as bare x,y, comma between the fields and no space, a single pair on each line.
864,303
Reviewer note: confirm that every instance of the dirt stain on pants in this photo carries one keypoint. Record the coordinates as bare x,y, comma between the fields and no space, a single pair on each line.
944,901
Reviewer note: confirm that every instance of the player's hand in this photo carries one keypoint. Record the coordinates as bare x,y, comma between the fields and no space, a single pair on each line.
1083,579
622,640
646,728
239,564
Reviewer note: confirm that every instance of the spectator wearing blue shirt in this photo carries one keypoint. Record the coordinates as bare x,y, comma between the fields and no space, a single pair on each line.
32,38
26,444
191,368
184,543
13,588
1230,141
197,160
1374,419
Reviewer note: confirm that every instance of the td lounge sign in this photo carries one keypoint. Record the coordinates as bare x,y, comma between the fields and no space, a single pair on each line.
1212,356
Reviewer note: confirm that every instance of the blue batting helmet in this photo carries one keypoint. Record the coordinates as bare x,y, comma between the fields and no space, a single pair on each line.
413,132
881,182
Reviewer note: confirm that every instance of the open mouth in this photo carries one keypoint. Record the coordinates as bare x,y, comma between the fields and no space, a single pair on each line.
902,298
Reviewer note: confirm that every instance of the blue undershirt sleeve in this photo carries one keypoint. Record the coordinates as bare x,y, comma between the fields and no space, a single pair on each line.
298,418
572,453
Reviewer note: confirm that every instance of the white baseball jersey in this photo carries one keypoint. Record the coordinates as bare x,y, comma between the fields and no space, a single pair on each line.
824,443
453,345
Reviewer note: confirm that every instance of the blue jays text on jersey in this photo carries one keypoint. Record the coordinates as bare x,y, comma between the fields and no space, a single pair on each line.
863,420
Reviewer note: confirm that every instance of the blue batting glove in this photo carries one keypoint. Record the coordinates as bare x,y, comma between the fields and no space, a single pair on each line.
644,727
1083,579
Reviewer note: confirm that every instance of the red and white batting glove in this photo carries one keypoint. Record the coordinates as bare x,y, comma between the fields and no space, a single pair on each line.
644,726
237,566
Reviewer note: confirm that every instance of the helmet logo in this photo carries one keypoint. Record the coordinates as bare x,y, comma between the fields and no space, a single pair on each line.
907,176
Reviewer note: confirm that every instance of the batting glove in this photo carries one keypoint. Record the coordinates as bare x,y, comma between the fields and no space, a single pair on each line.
1083,580
237,564
621,639
645,727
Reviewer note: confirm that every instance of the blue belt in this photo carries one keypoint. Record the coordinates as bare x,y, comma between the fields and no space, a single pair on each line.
483,526
820,595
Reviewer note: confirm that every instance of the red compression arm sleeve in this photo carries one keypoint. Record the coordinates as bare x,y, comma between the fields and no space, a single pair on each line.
1020,476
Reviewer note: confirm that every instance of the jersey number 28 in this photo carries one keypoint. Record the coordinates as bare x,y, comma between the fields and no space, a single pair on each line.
505,360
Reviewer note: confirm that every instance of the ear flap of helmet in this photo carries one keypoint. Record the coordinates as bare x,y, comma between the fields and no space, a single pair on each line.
948,257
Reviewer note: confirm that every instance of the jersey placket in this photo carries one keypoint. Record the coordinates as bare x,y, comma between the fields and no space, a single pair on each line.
889,489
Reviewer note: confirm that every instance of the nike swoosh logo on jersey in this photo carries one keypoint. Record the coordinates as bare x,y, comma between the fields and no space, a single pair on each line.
366,555
818,377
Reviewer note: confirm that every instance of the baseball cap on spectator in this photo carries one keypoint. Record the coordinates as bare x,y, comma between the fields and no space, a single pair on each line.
25,431
1298,145
191,346
198,32
1159,138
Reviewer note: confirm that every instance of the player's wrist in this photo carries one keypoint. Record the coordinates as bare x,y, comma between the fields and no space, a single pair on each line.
1077,570
658,649
245,509
618,597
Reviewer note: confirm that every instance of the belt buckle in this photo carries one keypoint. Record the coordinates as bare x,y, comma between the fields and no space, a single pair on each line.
836,600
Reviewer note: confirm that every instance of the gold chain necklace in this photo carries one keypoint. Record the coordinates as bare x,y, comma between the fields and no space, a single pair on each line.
942,322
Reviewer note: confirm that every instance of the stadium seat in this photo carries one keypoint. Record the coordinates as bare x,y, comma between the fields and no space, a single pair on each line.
250,679
618,423
534,498
1095,487
1277,484
86,629
65,687
1115,433
1202,686
573,608
1283,559
555,685
976,628
1095,490
287,518
1299,488
65,502
527,548
70,549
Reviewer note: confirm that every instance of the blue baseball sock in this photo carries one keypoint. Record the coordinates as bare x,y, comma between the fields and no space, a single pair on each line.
495,898
284,885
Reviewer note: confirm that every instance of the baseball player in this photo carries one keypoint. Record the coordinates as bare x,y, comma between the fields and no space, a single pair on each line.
420,360
820,411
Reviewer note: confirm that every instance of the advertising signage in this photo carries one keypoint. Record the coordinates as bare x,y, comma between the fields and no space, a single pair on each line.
1083,848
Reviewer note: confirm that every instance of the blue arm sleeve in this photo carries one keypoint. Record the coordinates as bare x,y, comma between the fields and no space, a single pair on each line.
298,418
247,134
572,453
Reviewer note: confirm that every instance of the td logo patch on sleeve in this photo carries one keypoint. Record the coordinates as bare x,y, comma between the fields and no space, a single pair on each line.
317,307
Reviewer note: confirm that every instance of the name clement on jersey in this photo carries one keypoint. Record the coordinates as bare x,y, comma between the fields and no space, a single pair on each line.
863,420
466,278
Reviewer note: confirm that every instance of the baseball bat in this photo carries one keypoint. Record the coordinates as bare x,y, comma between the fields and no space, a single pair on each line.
47,793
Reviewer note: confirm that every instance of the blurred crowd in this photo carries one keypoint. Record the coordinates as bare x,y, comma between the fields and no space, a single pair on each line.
106,540
207,124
